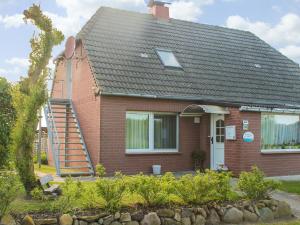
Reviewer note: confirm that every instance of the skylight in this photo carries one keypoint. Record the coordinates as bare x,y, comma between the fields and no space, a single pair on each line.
168,58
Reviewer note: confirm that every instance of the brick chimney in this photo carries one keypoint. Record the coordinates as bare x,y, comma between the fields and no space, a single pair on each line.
159,9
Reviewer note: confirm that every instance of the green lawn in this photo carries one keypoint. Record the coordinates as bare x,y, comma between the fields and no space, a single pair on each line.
291,187
45,169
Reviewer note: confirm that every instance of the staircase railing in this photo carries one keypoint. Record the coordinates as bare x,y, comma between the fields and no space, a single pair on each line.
83,142
53,136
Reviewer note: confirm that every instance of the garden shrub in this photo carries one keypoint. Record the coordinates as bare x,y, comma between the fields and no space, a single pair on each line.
9,187
90,198
100,170
37,194
44,159
71,194
203,187
254,185
112,191
155,191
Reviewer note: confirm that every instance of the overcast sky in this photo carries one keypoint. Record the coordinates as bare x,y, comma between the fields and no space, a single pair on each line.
275,21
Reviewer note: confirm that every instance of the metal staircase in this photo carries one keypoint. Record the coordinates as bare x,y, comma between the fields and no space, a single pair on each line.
69,152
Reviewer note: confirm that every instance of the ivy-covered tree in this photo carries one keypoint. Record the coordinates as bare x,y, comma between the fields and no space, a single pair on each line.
7,116
31,93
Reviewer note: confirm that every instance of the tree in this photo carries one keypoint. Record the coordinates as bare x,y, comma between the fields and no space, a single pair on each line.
31,93
7,117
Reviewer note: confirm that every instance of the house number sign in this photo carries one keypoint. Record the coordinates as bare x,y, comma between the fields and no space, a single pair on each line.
248,136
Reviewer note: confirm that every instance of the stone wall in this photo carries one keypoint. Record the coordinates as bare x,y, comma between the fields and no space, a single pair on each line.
213,214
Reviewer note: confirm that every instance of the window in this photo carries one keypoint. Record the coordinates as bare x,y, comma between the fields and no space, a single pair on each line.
220,131
280,132
168,58
151,132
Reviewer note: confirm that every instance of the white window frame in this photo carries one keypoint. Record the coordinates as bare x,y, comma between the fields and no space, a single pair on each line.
279,150
151,149
157,50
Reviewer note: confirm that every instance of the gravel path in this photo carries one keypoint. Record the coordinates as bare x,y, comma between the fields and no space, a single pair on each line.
292,199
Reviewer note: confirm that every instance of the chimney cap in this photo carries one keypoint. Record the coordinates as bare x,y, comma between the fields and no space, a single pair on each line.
150,3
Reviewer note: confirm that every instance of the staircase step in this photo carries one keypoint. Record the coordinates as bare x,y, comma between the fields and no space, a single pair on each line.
66,122
75,149
75,167
76,174
66,127
73,155
73,160
65,117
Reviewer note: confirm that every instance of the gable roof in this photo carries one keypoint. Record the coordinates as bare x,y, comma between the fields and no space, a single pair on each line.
219,64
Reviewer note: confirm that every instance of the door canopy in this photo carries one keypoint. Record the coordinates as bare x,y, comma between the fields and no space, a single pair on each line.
199,110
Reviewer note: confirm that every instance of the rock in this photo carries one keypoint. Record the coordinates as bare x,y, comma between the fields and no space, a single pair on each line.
132,223
260,205
93,223
8,220
82,222
202,212
266,215
165,213
89,219
75,221
200,220
250,216
186,221
283,210
100,221
169,221
186,212
193,218
256,210
46,221
27,220
233,215
65,219
107,220
116,223
177,216
137,216
213,218
117,215
151,219
125,217
103,214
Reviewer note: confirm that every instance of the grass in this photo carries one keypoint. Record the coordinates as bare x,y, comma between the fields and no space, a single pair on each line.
45,169
291,187
294,222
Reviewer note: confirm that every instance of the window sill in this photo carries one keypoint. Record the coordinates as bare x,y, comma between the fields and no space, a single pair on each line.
280,151
153,152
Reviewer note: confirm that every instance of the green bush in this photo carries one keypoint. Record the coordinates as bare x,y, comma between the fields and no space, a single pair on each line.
100,170
90,198
203,187
71,194
9,187
37,194
44,159
112,191
155,191
254,185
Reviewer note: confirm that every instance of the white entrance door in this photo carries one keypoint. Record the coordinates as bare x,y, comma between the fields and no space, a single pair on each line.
217,137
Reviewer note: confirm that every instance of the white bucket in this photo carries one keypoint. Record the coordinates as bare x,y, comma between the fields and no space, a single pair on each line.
156,169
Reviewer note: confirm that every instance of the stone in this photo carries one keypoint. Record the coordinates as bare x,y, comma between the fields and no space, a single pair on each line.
266,215
233,215
260,205
213,218
45,221
256,210
199,220
186,221
116,223
75,221
250,216
103,214
125,217
186,212
82,222
132,223
169,221
65,219
165,213
89,219
8,220
177,216
93,223
108,219
137,216
27,220
202,212
100,221
283,210
151,219
117,215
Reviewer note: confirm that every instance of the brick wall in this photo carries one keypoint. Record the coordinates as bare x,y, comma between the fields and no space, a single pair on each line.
113,117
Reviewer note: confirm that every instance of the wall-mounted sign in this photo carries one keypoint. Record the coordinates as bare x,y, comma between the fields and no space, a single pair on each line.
248,137
245,125
196,119
230,133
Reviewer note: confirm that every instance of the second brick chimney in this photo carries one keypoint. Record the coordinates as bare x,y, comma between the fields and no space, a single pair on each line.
159,9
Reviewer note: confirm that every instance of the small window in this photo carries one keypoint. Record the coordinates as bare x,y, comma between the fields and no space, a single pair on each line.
168,58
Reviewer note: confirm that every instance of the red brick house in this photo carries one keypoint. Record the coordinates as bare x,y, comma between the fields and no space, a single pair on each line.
147,89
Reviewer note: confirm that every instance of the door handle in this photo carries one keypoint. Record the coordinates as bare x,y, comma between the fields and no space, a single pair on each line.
212,140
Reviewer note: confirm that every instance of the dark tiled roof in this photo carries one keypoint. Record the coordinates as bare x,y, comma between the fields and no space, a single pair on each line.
219,64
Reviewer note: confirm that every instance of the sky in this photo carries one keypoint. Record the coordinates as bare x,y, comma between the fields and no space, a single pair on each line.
275,21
